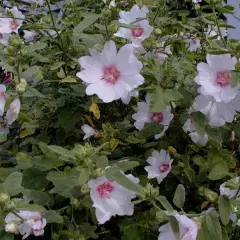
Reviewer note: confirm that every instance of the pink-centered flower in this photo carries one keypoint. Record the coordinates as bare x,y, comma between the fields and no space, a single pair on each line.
142,29
218,113
192,44
215,77
160,165
110,198
145,116
188,229
13,23
109,74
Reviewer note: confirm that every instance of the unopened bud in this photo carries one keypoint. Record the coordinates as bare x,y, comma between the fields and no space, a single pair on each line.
3,197
210,195
197,6
9,205
99,172
74,202
232,183
172,150
85,189
11,227
161,217
21,87
157,31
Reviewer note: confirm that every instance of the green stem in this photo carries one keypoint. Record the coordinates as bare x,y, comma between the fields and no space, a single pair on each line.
107,31
219,30
17,215
156,14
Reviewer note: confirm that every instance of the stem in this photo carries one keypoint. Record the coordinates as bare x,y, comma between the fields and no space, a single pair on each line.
18,73
155,16
219,30
107,32
17,215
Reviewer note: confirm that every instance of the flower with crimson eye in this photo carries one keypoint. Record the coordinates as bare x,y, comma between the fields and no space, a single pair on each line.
141,29
144,116
215,77
160,165
109,74
110,198
9,25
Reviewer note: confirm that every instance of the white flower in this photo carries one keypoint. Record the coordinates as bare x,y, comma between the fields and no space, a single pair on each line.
145,116
196,1
89,131
9,25
196,138
111,75
2,98
161,56
213,31
188,229
4,37
230,193
34,224
142,30
13,111
234,217
110,198
193,44
127,98
214,77
29,35
218,113
160,165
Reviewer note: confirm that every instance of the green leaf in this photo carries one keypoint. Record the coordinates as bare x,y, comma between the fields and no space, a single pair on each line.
126,165
22,205
32,92
219,52
101,161
225,209
62,151
64,182
218,172
150,129
31,73
53,217
115,174
89,19
6,236
200,121
161,98
165,203
34,178
214,227
56,65
68,79
84,175
38,197
13,183
235,79
214,135
179,196
175,227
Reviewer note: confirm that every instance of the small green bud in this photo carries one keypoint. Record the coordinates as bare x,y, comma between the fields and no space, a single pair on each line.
232,183
157,31
15,41
11,61
210,195
3,197
149,192
85,189
197,7
47,19
9,206
21,87
106,13
161,217
24,52
99,172
11,50
74,202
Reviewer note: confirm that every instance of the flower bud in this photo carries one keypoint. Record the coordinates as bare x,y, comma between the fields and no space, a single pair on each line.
9,205
106,13
74,202
99,172
85,189
172,150
15,41
11,227
210,195
197,6
11,50
161,216
232,183
3,197
149,192
24,52
157,31
21,87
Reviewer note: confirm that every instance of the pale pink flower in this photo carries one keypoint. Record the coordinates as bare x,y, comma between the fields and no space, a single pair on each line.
13,111
89,131
109,74
2,98
160,165
215,77
110,198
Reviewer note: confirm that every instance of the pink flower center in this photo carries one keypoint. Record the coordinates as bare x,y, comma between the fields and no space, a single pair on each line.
157,117
14,25
164,168
137,32
223,78
105,190
111,74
